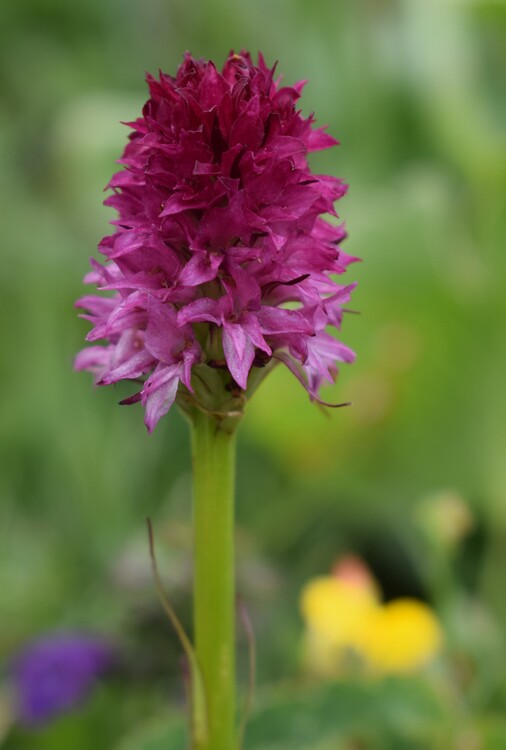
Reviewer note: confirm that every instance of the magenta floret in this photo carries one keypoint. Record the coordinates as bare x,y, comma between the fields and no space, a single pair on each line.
220,225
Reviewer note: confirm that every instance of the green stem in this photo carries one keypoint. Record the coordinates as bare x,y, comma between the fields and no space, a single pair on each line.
213,451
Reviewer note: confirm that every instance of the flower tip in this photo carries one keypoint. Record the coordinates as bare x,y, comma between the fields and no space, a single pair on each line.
134,399
328,404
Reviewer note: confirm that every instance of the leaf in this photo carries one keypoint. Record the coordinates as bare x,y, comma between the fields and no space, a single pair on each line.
167,733
198,706
248,702
395,714
389,714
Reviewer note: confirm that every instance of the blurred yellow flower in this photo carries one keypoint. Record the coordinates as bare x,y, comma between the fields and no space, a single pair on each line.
401,636
346,621
335,609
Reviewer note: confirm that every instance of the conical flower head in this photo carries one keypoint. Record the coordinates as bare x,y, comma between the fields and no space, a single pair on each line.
222,259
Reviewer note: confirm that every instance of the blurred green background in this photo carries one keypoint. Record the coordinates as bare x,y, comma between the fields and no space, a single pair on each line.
414,90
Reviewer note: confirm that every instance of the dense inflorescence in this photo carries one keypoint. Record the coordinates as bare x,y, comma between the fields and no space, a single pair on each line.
221,254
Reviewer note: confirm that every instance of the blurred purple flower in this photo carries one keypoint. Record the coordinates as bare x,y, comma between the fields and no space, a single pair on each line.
56,673
220,231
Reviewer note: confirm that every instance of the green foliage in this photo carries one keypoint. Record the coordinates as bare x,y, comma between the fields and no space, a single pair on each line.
388,715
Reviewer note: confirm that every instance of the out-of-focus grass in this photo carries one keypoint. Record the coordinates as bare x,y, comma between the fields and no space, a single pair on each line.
415,92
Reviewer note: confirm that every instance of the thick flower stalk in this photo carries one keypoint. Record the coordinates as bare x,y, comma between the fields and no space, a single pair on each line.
222,265
222,257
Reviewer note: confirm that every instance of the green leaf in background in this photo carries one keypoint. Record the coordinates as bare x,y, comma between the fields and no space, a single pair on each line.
401,714
168,733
